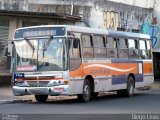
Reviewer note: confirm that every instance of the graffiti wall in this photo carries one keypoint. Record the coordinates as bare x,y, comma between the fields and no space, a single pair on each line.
110,20
124,19
117,15
132,20
150,27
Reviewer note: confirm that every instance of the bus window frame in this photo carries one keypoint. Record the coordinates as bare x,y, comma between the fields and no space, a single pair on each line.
145,50
91,43
99,47
134,51
77,61
115,48
122,49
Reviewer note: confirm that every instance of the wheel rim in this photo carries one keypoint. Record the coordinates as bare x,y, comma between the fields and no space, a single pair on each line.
86,92
130,87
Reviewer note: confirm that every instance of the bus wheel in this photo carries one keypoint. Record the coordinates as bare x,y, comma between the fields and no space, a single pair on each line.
86,95
41,98
130,89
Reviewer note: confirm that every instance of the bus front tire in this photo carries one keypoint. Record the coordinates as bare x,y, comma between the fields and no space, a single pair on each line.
41,98
86,95
130,89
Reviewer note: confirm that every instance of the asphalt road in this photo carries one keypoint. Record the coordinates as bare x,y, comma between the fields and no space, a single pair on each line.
146,101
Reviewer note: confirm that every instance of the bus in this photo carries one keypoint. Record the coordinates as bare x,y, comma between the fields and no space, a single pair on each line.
52,60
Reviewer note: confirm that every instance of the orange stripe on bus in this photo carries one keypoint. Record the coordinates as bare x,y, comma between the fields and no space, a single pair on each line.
148,68
105,69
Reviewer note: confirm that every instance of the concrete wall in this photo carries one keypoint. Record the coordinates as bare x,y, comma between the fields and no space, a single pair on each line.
14,4
139,3
108,14
111,15
128,14
155,28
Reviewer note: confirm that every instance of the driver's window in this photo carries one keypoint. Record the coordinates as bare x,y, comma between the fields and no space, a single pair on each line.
74,53
74,50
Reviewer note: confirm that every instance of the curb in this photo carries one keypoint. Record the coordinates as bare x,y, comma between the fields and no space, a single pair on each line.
154,86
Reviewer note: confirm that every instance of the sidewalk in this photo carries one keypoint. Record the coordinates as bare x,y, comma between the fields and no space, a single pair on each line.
7,94
155,85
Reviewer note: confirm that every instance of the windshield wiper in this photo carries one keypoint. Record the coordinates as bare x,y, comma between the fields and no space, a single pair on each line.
30,45
46,45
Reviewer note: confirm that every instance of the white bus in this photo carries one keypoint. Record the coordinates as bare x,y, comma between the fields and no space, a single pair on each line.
73,60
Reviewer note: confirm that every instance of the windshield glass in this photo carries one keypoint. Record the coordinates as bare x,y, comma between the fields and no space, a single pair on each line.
41,54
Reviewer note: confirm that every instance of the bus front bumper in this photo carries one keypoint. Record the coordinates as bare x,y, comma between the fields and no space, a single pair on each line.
56,90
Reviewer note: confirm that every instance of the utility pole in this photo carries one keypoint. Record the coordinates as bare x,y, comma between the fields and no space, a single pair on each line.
72,7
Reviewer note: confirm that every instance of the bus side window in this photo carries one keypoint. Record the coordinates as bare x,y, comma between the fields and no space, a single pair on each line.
148,44
133,48
142,49
122,48
111,45
99,46
74,53
87,46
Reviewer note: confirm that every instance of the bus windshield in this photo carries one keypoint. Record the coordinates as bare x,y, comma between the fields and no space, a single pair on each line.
47,54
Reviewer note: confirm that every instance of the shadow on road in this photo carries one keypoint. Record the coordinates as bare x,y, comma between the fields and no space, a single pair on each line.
100,98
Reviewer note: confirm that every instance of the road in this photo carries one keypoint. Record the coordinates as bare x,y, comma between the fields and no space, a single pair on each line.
145,101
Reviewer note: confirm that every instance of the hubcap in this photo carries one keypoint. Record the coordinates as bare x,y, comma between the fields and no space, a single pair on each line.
86,92
131,88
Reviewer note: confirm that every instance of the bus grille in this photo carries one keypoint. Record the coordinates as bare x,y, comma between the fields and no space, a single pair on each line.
37,83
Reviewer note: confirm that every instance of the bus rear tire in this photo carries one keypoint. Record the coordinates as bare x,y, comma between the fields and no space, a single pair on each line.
41,98
86,95
130,88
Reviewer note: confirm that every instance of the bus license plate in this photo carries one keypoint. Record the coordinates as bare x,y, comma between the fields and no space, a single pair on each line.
58,89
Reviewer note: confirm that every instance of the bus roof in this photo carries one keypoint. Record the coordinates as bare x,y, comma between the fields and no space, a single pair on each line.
89,30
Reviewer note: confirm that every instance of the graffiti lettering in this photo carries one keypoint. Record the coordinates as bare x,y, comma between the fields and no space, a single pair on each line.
110,20
152,30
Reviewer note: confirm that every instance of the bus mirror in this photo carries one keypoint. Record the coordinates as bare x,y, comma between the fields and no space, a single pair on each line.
75,42
7,53
5,50
71,35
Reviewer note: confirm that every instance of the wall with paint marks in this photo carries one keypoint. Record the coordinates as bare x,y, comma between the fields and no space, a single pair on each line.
108,14
155,28
113,15
139,3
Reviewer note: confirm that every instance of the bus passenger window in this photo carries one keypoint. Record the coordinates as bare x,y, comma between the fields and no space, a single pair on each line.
142,47
87,46
111,45
99,47
122,48
132,48
148,43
